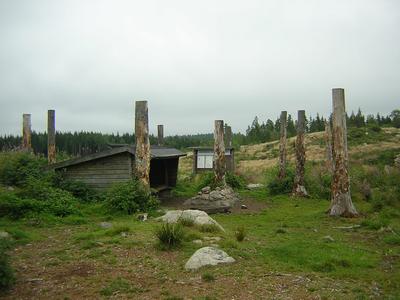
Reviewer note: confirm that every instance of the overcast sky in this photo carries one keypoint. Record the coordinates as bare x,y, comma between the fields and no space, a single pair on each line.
194,61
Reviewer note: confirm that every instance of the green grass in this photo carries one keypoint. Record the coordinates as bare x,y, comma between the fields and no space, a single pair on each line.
120,286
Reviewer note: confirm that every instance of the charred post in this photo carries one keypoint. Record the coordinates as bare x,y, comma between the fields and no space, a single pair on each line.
282,145
228,136
341,204
299,188
142,153
160,135
26,132
328,145
51,136
219,154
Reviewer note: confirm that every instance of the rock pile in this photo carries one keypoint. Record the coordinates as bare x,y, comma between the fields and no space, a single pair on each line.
213,201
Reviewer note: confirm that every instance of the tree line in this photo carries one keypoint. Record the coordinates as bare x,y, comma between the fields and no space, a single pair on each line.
81,143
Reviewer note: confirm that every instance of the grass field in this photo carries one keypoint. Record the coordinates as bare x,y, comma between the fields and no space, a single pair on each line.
285,254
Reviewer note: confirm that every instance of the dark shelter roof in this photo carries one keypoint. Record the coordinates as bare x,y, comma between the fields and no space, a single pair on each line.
156,152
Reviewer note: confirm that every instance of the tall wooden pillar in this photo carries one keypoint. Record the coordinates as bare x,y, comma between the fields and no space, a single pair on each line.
26,132
328,146
160,135
282,145
219,154
51,136
299,188
142,153
341,204
228,136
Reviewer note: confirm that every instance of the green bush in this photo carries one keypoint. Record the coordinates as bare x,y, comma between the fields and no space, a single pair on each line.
169,235
7,277
78,189
278,186
205,179
130,197
240,234
17,167
235,181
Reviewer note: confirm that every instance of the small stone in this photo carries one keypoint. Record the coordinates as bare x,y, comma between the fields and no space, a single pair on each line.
243,206
199,193
253,186
206,190
198,242
124,234
105,225
328,239
4,235
10,188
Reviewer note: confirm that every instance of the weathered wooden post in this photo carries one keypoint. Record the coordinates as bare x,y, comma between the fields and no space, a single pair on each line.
282,145
51,136
142,153
299,188
160,135
219,154
228,136
341,204
26,132
328,145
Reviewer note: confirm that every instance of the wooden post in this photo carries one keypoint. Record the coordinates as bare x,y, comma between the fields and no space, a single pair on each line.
26,132
299,186
142,153
51,136
160,135
282,145
341,204
228,136
219,154
328,144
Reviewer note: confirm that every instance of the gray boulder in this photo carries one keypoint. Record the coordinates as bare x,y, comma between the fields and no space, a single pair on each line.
105,225
253,186
197,216
4,235
207,256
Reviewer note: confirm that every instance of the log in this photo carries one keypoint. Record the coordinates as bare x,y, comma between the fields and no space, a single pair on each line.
299,188
228,136
160,135
341,204
219,154
51,137
282,145
142,152
26,132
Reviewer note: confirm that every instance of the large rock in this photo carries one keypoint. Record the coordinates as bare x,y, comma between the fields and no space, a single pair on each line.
208,256
197,216
213,201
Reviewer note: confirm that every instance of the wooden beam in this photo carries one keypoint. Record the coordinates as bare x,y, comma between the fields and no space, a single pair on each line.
299,188
160,135
219,154
26,132
341,204
142,153
51,136
282,145
228,136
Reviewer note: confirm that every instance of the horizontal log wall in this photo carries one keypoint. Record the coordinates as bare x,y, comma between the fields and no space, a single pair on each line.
102,173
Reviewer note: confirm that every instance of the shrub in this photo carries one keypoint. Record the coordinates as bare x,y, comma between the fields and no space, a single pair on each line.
7,278
17,167
240,234
207,277
169,235
186,222
78,189
278,186
205,179
130,197
235,181
209,228
393,239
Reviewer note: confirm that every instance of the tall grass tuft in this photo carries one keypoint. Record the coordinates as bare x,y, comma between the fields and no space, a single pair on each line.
169,235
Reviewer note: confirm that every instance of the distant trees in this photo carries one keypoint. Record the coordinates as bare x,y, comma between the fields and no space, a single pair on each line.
81,143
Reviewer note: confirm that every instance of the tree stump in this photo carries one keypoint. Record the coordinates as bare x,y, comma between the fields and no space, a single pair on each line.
299,188
26,132
228,136
282,145
51,137
219,154
341,204
142,152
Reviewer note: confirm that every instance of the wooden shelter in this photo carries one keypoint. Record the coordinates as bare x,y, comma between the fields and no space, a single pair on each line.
203,159
117,164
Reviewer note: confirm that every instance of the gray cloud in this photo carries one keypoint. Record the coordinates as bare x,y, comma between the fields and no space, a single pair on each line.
194,61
